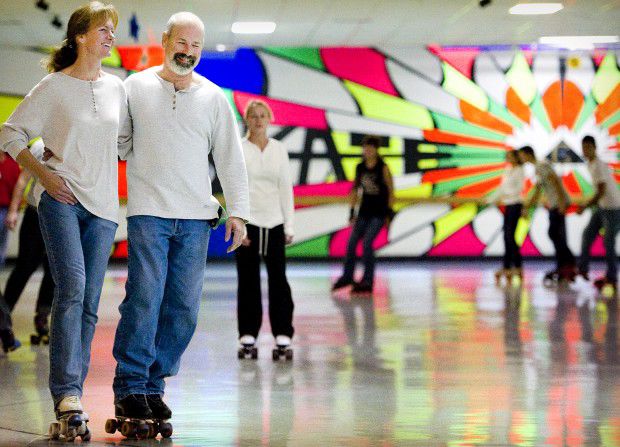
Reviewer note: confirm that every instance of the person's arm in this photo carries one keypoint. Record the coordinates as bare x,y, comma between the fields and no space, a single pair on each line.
354,195
231,171
16,199
389,183
533,199
287,201
53,184
125,130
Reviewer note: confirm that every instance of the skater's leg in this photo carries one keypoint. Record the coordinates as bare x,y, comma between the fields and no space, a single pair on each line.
372,230
280,300
512,256
611,223
4,235
249,305
179,309
149,240
5,315
557,233
60,227
46,291
97,239
349,261
587,239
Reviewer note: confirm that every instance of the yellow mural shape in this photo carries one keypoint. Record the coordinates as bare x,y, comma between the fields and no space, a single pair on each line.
463,88
7,105
456,219
606,78
521,79
389,108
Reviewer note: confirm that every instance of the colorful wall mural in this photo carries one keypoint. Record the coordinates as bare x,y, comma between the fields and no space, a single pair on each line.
446,116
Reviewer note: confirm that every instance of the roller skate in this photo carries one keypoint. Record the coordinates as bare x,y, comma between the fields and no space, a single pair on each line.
515,276
43,331
133,418
161,415
248,348
499,274
340,283
282,349
71,421
362,287
606,287
551,278
9,342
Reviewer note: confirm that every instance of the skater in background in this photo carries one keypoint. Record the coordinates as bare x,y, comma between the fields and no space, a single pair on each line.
605,205
178,118
557,201
30,256
76,109
270,228
373,183
509,194
9,174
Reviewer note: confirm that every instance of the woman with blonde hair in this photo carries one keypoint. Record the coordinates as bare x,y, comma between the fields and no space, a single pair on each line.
76,109
270,228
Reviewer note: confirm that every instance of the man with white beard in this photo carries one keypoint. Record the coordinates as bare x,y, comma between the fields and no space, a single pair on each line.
177,118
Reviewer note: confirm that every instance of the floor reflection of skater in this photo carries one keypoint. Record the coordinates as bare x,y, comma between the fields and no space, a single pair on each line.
605,204
30,256
374,180
361,336
509,194
512,318
178,118
270,228
76,110
549,182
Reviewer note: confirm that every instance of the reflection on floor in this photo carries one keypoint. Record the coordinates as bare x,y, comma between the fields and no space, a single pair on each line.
437,356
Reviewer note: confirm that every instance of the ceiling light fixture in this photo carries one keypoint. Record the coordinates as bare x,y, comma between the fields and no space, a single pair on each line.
253,27
535,8
578,42
220,47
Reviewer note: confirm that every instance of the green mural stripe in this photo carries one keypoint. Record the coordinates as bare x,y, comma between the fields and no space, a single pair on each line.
606,78
450,186
611,120
586,187
231,100
456,219
473,152
463,162
463,88
7,105
307,56
384,107
313,248
586,111
521,79
113,60
454,125
539,110
502,113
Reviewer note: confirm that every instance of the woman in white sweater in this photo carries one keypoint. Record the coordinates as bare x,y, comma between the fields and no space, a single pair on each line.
270,228
76,109
510,195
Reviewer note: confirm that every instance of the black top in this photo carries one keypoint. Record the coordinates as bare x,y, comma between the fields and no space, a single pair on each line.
374,190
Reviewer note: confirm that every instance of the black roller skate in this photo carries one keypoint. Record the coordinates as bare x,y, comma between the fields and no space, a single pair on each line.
606,287
9,342
71,421
161,416
43,331
134,418
248,348
282,349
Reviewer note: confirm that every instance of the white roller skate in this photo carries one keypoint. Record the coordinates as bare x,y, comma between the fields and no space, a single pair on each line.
282,349
70,422
247,348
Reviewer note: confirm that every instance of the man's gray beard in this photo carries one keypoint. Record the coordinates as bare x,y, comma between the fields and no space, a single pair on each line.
179,70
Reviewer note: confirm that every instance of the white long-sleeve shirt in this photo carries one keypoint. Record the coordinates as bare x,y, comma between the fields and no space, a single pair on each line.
168,151
271,188
600,173
509,191
78,121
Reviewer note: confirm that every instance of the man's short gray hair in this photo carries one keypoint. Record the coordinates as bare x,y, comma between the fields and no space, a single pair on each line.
183,17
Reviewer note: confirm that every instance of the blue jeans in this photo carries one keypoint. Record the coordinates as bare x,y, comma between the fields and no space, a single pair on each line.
610,221
366,227
166,268
78,245
4,234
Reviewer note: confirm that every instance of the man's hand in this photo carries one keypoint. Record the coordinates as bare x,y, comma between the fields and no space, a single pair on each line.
288,240
11,220
246,242
47,154
58,189
236,227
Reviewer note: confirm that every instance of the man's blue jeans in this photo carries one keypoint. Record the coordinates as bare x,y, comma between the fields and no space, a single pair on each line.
166,268
609,219
366,227
78,244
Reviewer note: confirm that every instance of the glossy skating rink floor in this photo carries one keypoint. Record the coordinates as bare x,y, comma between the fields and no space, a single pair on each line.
439,356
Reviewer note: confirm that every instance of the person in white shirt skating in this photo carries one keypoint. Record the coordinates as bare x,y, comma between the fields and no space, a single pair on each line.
270,228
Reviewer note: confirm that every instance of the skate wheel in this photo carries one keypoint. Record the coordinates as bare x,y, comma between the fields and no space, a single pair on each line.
111,426
254,353
35,340
54,430
71,434
165,428
289,355
153,430
275,355
45,340
74,421
128,429
143,430
86,436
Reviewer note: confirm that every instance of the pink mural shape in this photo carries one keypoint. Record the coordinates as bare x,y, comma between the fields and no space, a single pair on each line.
598,248
364,66
336,189
340,239
528,248
286,113
464,242
461,59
